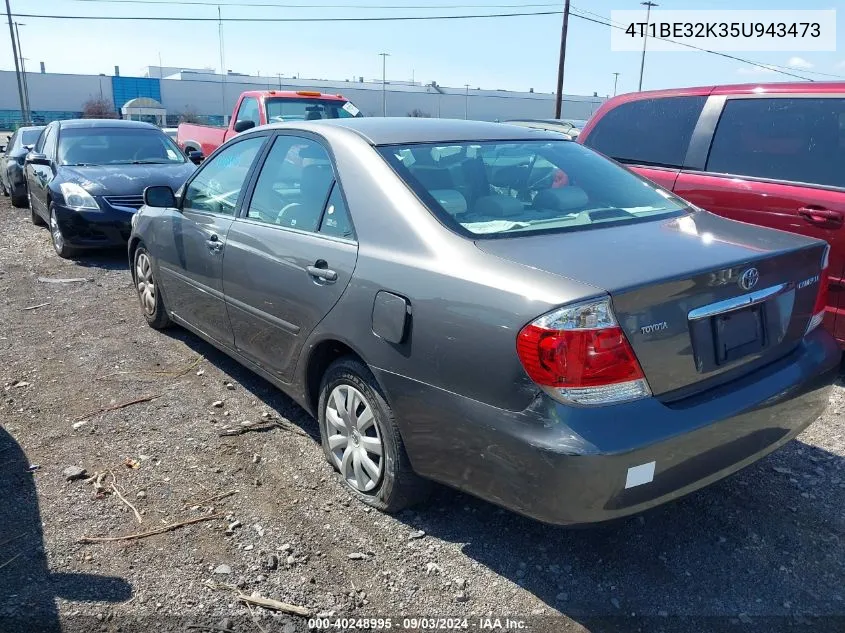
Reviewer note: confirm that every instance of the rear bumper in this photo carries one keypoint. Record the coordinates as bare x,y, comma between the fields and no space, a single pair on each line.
569,465
94,229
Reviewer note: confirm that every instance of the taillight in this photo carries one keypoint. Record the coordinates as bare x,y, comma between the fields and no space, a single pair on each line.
821,297
579,355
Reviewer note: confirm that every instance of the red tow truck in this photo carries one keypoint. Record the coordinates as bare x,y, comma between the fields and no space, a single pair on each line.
258,107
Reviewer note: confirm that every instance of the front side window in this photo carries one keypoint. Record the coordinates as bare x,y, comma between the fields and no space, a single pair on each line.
800,140
294,184
281,110
117,146
248,110
42,138
498,189
50,142
649,131
28,137
217,186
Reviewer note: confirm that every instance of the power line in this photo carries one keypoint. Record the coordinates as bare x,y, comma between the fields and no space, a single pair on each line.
395,18
284,5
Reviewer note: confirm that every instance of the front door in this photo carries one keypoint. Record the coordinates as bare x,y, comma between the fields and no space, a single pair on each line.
780,162
40,176
191,242
289,256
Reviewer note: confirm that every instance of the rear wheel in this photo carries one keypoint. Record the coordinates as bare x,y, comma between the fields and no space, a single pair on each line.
361,440
3,189
60,245
149,294
36,219
20,202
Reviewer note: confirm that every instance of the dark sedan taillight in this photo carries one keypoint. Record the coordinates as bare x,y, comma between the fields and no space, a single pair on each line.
579,355
821,297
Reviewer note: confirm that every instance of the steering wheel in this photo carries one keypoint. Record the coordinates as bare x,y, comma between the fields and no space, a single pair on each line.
288,207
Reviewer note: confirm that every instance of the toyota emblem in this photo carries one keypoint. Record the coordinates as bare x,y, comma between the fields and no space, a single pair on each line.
749,279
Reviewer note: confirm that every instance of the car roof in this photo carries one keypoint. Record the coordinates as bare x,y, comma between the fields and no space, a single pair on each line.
785,87
408,130
30,128
91,123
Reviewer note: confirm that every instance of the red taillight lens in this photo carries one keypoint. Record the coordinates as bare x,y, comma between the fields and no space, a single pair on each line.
821,298
580,354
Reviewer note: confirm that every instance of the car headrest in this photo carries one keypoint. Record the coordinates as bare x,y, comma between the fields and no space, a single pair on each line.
452,201
498,207
315,181
561,199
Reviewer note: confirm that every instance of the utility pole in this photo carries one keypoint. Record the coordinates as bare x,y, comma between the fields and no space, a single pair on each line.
15,55
222,65
563,30
27,114
648,4
615,80
466,102
384,57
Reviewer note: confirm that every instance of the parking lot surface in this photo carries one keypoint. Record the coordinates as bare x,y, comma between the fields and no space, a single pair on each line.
764,549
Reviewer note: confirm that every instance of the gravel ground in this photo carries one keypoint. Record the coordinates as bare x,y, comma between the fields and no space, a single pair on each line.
762,549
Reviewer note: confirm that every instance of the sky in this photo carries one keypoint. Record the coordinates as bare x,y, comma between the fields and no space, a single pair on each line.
515,53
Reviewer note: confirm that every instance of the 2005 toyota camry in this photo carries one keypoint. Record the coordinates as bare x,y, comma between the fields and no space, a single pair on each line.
493,308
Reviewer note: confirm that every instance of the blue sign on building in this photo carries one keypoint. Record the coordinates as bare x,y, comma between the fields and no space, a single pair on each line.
126,88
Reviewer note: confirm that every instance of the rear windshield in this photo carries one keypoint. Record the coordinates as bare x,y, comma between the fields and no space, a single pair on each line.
281,110
117,146
495,189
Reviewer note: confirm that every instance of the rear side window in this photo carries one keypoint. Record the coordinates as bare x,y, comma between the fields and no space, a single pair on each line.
800,140
649,131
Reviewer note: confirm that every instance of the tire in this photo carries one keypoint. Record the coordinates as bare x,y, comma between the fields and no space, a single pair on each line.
395,486
36,219
20,202
149,295
3,188
60,245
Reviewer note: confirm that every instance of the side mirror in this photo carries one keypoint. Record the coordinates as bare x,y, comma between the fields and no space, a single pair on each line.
34,158
28,147
2,148
160,196
243,126
196,157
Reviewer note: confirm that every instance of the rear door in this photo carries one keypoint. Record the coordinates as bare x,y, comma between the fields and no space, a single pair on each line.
191,243
777,161
290,255
650,135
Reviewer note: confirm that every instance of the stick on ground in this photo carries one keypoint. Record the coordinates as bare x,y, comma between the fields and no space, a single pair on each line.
11,559
213,499
40,305
115,407
274,605
122,498
161,530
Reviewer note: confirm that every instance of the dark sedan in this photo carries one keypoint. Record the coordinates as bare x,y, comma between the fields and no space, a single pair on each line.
86,179
12,181
576,350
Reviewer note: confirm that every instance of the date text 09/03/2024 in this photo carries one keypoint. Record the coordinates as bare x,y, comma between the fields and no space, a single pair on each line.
416,624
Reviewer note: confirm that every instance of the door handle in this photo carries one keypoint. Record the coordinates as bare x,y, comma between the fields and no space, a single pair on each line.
320,270
214,244
818,215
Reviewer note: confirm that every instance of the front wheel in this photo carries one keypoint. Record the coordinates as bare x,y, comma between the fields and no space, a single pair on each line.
361,440
60,245
149,294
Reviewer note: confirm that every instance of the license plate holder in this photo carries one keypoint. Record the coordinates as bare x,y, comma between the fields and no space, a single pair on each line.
739,333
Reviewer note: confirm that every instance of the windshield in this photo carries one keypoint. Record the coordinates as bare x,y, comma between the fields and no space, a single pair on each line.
281,110
117,146
29,137
495,189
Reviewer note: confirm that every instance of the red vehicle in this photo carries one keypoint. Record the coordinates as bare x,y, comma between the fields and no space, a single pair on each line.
257,107
767,154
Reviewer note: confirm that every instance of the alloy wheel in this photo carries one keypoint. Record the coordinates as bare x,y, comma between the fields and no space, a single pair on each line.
145,283
354,438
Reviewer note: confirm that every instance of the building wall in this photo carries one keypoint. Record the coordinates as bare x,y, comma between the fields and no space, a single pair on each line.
54,96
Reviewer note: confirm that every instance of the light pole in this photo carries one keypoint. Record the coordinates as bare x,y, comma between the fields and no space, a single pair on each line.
27,115
466,102
384,57
648,4
615,79
15,55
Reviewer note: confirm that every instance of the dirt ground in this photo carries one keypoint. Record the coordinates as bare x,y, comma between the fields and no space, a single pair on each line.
761,550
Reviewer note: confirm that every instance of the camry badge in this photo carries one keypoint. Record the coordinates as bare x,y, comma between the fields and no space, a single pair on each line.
749,279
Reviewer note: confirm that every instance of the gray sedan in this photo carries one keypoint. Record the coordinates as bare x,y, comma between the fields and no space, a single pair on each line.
494,308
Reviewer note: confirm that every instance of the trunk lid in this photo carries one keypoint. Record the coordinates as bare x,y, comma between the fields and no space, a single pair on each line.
675,289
